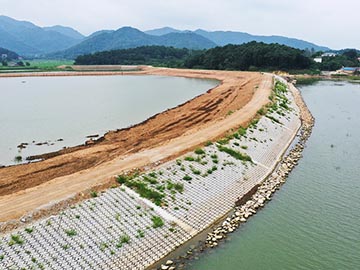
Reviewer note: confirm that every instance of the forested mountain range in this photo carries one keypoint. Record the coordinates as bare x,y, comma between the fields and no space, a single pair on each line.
222,38
128,37
30,40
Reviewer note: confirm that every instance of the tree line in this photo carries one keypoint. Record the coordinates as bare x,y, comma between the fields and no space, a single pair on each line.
249,56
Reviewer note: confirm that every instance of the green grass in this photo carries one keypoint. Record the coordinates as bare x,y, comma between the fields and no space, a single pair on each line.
274,119
39,65
15,239
71,232
208,143
234,154
151,180
125,239
199,151
142,188
93,194
179,187
29,230
157,222
307,81
18,159
187,178
242,131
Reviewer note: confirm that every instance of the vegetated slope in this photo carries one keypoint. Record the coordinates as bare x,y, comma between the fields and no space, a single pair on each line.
128,37
163,31
250,56
11,42
66,31
223,38
345,58
228,37
10,55
28,39
145,55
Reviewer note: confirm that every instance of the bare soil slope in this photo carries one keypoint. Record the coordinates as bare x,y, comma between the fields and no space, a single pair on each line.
68,172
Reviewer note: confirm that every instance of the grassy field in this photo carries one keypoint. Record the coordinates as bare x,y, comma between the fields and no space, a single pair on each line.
38,65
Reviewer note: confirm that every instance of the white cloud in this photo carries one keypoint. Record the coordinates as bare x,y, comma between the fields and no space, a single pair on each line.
330,23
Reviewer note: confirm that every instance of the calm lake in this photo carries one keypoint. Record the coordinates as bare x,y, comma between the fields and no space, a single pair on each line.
313,222
63,111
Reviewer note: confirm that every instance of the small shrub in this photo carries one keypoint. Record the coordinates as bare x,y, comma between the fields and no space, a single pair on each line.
274,119
141,234
178,162
189,158
70,232
242,131
187,178
125,239
16,239
234,154
223,141
122,179
150,179
179,187
261,111
18,158
152,174
29,230
199,151
208,143
157,222
93,194
170,185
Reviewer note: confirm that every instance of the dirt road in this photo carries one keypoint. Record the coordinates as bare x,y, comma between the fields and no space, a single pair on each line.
66,173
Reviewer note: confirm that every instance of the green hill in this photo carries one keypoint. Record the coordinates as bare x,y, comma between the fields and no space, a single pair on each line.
128,37
146,55
27,39
222,38
250,56
8,55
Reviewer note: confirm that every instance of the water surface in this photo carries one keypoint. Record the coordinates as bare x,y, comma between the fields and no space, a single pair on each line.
62,111
313,222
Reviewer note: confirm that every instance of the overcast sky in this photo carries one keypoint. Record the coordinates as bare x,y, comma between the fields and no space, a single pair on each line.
331,23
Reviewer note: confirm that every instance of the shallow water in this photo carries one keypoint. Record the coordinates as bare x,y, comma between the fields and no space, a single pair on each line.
313,222
45,109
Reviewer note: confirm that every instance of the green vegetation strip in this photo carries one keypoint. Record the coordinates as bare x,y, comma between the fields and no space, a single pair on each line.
234,153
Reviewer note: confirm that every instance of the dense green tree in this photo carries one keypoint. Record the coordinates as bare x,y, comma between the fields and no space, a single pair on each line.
254,55
250,56
145,55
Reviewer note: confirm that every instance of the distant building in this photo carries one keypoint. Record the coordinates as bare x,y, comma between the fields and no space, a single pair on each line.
348,70
328,54
318,59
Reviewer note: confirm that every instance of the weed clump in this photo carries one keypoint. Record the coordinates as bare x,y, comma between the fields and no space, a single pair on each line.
234,154
157,222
